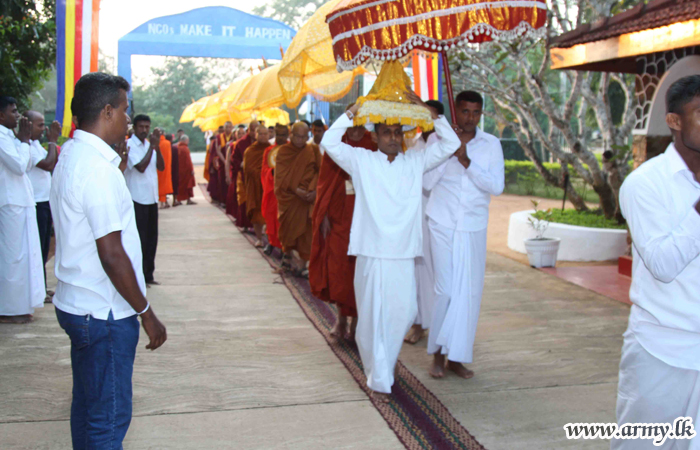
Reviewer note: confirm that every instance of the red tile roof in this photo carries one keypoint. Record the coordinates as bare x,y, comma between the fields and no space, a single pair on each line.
655,14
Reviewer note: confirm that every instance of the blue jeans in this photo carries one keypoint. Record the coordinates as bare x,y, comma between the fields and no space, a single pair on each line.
102,356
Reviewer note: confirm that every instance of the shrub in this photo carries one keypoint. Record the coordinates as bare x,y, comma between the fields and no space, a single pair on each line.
591,219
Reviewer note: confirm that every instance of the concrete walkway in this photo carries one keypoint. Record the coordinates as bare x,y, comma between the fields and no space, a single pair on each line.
243,368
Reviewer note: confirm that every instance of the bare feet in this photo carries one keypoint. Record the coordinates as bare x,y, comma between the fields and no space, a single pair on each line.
381,397
341,326
437,368
50,293
164,205
48,299
17,320
259,244
353,330
151,283
190,202
414,335
460,370
177,203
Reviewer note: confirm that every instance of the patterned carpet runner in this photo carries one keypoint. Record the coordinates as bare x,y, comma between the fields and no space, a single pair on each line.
418,418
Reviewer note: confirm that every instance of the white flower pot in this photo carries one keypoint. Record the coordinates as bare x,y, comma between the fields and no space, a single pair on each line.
542,252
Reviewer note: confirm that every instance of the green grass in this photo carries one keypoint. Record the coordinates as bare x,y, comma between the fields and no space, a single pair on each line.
584,219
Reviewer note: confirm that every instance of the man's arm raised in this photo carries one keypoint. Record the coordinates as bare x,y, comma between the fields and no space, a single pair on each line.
332,141
51,159
142,165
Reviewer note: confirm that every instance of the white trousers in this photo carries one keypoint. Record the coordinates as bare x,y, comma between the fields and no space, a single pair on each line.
22,286
651,391
425,279
385,291
459,260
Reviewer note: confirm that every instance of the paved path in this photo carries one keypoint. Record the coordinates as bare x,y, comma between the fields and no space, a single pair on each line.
243,368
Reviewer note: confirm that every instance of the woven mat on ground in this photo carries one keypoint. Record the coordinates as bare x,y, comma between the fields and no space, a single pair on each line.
418,418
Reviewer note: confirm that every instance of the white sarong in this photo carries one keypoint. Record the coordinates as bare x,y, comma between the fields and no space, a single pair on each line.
385,291
651,391
22,285
425,279
459,262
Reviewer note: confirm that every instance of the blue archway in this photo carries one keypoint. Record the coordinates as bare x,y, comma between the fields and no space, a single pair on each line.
214,32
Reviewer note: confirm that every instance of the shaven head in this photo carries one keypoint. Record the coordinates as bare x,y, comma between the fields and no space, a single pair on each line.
252,127
185,139
262,135
228,128
281,134
300,134
38,124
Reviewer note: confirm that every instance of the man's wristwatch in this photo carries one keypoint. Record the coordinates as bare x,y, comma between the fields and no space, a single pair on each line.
349,114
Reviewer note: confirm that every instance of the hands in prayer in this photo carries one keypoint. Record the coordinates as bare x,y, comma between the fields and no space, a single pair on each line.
25,130
309,197
54,132
155,139
123,152
462,156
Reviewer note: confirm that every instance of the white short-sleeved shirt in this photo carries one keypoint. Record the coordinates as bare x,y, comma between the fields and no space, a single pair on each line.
658,201
89,200
15,187
41,179
143,186
387,220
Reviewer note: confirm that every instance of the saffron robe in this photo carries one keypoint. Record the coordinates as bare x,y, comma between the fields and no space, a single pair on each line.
165,182
331,269
296,169
269,201
252,168
223,184
213,186
186,181
175,169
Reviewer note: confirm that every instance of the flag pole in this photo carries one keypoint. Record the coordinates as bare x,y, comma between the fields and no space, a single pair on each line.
448,83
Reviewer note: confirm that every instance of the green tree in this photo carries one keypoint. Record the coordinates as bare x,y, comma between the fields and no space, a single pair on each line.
292,12
27,46
173,86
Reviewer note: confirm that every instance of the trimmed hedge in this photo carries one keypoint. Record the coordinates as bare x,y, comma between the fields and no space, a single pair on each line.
584,219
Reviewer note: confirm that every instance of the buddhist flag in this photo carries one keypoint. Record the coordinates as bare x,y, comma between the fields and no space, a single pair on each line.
427,75
77,27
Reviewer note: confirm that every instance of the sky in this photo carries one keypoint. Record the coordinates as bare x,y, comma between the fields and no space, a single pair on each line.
119,17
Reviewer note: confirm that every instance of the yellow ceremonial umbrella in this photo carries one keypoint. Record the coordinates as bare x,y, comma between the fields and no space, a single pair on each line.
190,113
260,92
230,96
214,122
213,106
274,116
309,65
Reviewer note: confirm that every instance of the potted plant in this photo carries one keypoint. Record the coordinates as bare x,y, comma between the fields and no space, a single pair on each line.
541,251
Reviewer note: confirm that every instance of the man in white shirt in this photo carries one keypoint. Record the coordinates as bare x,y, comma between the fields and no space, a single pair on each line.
425,278
386,235
22,286
101,290
660,370
142,180
458,211
43,163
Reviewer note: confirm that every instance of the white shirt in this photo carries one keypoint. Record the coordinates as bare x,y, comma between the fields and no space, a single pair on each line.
89,200
460,197
143,186
386,222
41,179
15,187
658,200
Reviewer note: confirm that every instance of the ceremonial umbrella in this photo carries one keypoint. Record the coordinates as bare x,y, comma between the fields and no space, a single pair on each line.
274,116
387,30
309,66
190,113
214,122
259,92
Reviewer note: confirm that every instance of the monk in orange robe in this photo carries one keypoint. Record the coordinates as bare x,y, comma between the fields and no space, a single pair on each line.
296,176
331,269
165,181
269,201
186,181
252,169
213,167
